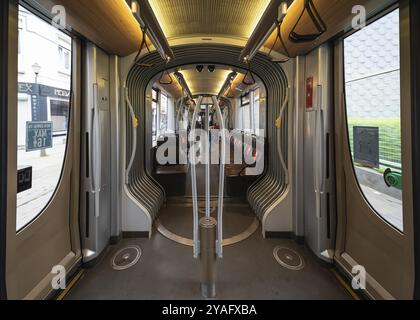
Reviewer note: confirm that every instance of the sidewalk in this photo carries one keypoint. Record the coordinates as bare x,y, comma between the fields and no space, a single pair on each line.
46,173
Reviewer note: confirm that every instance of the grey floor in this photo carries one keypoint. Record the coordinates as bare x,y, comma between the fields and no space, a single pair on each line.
248,270
179,219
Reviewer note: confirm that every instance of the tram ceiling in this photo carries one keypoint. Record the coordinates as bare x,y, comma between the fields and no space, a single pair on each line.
205,82
112,25
108,24
253,24
310,23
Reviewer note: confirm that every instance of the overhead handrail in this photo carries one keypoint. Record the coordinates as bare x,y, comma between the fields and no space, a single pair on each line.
134,135
279,38
196,240
143,45
161,79
219,244
316,19
249,73
279,144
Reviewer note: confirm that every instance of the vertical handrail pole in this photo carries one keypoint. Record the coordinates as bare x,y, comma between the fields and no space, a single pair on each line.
178,116
208,168
208,256
194,179
134,135
221,179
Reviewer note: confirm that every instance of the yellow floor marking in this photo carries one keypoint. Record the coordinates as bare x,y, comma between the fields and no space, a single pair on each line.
345,285
70,285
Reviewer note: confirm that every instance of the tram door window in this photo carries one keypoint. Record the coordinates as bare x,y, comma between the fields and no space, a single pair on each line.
372,85
44,85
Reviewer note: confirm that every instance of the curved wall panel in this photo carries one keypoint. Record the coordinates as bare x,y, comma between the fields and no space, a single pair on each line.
271,186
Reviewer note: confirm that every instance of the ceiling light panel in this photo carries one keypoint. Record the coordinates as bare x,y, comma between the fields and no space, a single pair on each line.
225,18
205,82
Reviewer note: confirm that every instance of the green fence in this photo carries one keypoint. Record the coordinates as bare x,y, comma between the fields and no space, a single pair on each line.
389,138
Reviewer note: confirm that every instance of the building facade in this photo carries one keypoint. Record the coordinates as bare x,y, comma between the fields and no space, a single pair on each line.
44,76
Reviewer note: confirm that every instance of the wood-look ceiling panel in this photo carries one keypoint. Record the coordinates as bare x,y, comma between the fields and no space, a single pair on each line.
207,18
109,24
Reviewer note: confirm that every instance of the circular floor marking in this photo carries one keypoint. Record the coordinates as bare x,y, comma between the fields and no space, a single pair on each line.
288,258
226,242
126,258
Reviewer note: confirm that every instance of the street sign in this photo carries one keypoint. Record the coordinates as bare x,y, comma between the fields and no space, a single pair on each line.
39,135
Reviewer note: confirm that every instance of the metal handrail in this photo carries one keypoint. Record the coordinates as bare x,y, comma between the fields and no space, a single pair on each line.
319,175
221,180
134,134
95,150
178,116
279,145
208,166
194,180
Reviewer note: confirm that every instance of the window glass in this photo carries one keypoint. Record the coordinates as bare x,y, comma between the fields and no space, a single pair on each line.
155,95
247,118
43,114
372,84
154,117
163,113
59,115
64,56
245,99
256,111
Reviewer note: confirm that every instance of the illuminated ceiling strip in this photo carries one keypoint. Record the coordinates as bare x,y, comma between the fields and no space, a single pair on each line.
181,80
222,80
272,17
144,15
165,14
228,82
206,84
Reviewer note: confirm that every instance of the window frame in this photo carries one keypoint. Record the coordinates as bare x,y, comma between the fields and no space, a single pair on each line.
50,115
65,57
254,124
70,73
155,120
163,94
243,97
347,126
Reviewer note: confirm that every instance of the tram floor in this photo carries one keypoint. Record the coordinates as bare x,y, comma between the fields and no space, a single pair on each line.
168,271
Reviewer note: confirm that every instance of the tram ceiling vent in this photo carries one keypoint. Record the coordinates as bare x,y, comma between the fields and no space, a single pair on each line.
289,258
126,258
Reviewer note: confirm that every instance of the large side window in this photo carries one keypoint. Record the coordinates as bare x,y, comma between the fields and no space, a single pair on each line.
163,113
256,112
372,85
155,112
246,109
43,113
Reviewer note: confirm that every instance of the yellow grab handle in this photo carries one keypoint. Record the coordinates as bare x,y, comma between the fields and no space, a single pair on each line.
135,123
278,123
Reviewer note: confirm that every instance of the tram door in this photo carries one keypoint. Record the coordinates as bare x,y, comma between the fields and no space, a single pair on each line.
43,156
96,164
373,143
